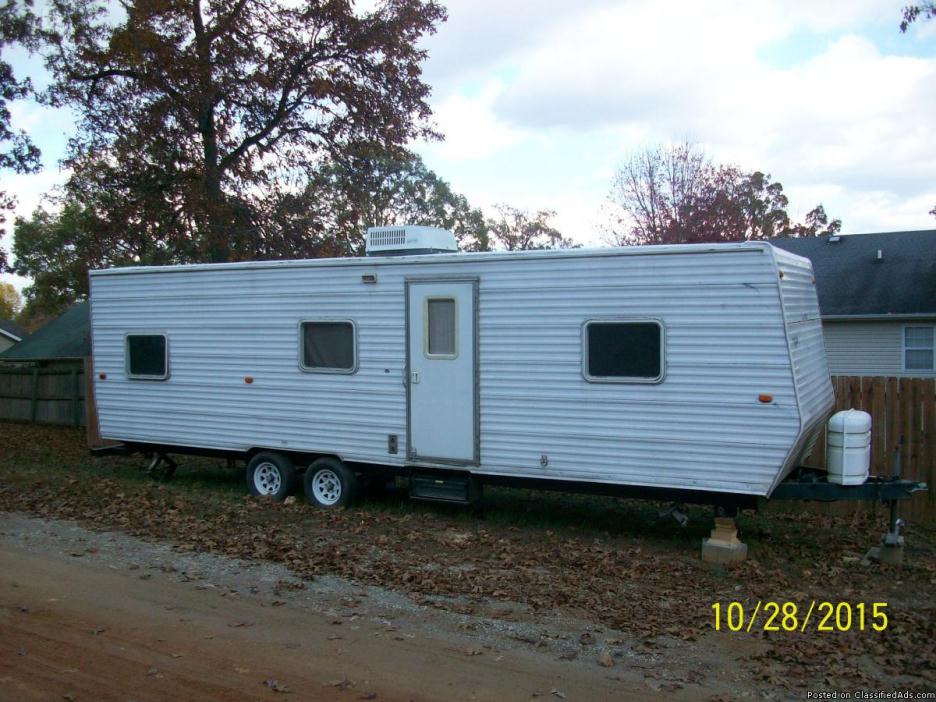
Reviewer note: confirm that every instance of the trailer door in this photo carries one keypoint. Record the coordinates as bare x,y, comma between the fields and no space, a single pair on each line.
441,371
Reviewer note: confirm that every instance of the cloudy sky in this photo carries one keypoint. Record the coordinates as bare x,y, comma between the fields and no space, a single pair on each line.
541,100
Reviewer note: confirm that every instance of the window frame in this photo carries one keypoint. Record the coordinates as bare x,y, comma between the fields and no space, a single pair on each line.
139,376
455,339
328,371
602,379
904,348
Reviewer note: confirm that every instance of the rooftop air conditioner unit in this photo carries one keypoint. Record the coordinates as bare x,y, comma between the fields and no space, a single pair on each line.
409,240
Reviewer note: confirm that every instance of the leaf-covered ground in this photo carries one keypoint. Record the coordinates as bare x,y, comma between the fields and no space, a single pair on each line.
610,561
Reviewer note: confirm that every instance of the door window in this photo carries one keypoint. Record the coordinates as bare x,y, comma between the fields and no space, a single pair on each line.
441,324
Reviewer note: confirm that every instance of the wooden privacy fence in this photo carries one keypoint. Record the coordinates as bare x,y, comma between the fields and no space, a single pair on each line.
46,395
903,421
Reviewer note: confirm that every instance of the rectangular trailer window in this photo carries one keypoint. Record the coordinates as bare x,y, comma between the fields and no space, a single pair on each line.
147,356
623,351
919,347
440,327
328,347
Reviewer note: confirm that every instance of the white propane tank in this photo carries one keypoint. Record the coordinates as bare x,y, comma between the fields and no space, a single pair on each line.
848,447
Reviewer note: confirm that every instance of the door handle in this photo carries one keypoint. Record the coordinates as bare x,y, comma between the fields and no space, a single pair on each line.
414,377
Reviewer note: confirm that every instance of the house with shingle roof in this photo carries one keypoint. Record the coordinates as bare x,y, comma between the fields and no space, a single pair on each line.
877,298
65,338
10,334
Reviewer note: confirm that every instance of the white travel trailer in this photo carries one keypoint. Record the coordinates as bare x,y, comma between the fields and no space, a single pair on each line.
693,372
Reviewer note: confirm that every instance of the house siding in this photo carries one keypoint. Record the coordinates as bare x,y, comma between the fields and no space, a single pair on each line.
868,348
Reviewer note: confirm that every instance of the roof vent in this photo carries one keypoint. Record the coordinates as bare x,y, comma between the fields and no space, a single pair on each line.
880,255
833,239
409,241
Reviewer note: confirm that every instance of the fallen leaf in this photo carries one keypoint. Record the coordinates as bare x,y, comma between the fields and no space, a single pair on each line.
473,651
557,693
604,659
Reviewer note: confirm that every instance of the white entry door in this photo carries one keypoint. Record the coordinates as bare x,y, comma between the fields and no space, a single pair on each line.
441,367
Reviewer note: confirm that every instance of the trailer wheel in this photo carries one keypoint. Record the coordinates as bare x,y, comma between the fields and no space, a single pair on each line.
330,483
271,474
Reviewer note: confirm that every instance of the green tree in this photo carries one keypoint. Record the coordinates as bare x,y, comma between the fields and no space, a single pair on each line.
202,108
516,229
367,186
56,250
671,195
17,152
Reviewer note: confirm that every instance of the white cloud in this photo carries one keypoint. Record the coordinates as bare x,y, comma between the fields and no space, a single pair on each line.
834,114
471,129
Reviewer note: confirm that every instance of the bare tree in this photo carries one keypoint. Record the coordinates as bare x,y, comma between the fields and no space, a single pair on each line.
516,229
675,195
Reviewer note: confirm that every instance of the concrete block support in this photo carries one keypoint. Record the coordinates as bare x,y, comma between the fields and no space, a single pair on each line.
723,545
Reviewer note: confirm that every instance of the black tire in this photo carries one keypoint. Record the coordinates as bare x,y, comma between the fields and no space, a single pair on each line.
272,475
330,484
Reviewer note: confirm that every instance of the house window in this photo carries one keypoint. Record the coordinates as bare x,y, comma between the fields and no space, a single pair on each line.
440,327
919,347
328,347
147,356
623,351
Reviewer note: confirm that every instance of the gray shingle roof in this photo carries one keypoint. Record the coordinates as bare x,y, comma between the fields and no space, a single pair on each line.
10,328
852,281
66,336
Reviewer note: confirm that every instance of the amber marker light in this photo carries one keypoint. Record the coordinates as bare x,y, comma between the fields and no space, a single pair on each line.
248,380
102,376
765,398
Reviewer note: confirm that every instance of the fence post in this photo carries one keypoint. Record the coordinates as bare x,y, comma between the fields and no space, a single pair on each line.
34,399
76,417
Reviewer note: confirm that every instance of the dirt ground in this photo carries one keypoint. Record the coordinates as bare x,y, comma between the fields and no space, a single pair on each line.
116,587
100,616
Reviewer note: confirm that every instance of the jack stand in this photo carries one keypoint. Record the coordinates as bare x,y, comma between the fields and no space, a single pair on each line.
156,472
723,545
681,517
891,550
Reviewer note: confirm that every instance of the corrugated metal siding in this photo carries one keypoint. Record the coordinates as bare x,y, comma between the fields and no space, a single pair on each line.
807,352
701,428
867,348
804,329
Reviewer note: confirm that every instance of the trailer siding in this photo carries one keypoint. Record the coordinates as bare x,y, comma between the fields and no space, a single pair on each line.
702,427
